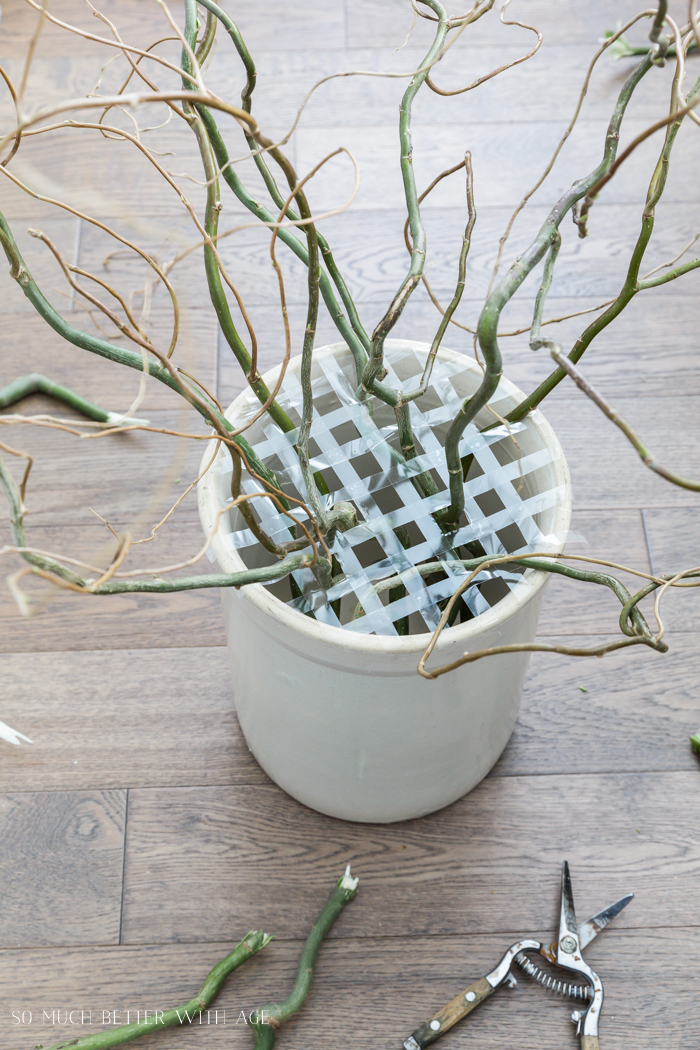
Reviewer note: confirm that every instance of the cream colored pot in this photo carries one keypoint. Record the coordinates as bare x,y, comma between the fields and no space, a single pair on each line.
341,720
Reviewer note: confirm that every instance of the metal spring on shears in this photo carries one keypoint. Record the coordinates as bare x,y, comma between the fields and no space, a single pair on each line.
572,991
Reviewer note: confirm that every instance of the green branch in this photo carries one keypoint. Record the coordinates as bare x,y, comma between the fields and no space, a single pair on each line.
270,1017
487,328
14,498
232,180
266,574
461,281
44,564
34,383
251,944
671,275
655,33
631,284
207,41
164,372
211,262
375,366
536,341
359,341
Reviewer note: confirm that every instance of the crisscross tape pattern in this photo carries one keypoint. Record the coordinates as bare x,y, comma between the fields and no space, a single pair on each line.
363,469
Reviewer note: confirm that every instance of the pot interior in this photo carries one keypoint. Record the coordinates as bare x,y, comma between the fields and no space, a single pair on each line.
515,485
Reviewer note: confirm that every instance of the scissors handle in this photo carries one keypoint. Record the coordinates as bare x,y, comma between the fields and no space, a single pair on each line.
455,1010
590,1042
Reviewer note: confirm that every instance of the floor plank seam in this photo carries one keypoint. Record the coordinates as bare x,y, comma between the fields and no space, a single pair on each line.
335,937
121,899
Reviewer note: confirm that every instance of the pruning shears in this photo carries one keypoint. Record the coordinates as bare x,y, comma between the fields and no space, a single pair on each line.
565,953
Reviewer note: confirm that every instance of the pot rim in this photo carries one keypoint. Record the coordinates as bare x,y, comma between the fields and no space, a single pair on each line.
230,561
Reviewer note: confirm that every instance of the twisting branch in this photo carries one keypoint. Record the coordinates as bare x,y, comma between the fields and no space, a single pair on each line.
461,276
188,1013
27,470
212,260
487,329
120,44
375,367
199,107
353,332
117,237
494,72
18,136
535,339
674,116
165,372
655,33
136,334
34,383
426,284
572,123
638,635
632,283
50,568
273,1015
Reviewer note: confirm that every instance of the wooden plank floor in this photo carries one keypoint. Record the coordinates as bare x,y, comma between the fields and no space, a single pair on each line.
139,840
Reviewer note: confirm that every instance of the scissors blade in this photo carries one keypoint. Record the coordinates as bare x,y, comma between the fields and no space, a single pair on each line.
567,920
588,930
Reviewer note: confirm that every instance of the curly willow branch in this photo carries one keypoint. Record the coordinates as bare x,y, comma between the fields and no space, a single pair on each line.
639,635
495,72
272,1016
188,1013
264,1021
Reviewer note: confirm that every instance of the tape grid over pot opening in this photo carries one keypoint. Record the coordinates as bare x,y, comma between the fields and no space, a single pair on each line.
349,446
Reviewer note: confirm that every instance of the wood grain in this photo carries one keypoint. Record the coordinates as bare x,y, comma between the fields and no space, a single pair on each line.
61,865
632,354
455,1010
27,344
89,728
562,24
91,716
595,266
184,844
631,712
131,695
673,545
592,267
508,159
649,1002
70,621
522,93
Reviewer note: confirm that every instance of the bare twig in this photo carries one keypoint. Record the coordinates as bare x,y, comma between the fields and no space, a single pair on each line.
501,69
18,135
644,454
